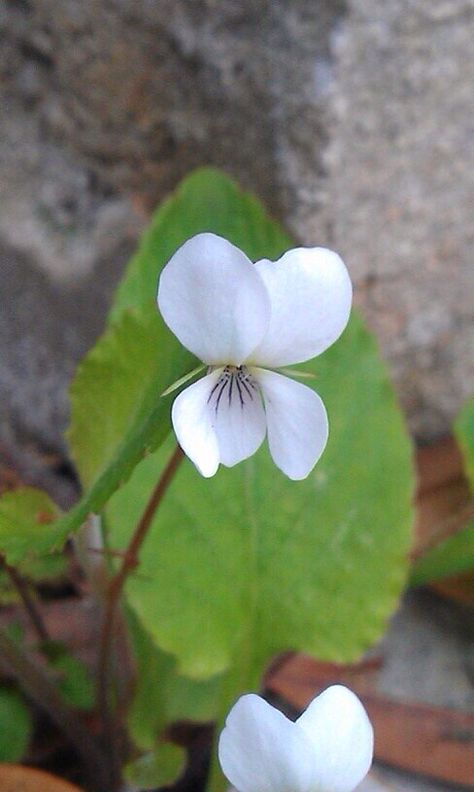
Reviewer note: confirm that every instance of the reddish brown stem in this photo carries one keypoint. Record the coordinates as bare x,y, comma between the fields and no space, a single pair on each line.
30,606
129,563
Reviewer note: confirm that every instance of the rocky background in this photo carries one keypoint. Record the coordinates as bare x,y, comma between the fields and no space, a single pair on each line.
352,120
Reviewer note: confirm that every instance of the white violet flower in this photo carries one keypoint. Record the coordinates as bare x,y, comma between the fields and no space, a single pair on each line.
242,320
328,749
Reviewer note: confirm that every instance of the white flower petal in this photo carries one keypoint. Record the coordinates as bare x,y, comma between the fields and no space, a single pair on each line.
261,751
310,292
213,299
237,416
192,423
297,424
342,739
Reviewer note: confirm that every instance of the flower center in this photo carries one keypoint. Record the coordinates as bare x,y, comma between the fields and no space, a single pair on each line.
235,382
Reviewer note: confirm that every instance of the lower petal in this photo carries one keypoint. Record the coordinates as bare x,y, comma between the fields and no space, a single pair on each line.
260,750
192,423
342,737
297,423
237,416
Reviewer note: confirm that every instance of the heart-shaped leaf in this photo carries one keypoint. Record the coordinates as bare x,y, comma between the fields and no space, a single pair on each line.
251,559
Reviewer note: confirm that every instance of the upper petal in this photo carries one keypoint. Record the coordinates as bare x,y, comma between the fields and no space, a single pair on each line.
237,416
342,739
310,293
213,299
193,427
261,751
297,424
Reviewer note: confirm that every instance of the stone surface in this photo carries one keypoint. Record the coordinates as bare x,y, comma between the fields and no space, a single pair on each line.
351,120
428,657
429,653
385,780
401,190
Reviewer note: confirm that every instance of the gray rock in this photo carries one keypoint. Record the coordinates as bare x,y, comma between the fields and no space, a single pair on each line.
351,120
428,653
400,192
386,780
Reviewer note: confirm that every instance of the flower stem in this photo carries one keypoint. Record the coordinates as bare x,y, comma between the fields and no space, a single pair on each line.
111,610
35,683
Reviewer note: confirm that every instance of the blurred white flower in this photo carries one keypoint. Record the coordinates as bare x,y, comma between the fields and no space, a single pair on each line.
242,319
328,749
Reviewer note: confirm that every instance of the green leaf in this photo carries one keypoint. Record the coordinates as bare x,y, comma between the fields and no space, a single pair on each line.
117,410
157,768
27,524
464,431
161,695
207,200
118,415
15,726
451,557
248,564
454,555
51,569
72,677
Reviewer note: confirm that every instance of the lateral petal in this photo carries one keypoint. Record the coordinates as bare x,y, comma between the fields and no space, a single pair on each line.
342,739
213,299
192,423
297,424
260,750
310,293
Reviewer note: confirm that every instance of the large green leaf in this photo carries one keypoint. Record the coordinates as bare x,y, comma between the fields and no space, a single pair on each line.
249,563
